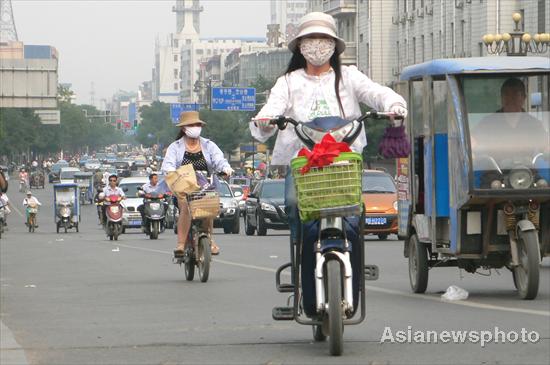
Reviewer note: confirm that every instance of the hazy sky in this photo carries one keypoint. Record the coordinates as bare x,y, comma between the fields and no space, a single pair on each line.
111,42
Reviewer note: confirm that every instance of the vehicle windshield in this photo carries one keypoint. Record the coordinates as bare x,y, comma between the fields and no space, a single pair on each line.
132,189
378,183
92,162
238,181
66,175
509,124
224,191
273,190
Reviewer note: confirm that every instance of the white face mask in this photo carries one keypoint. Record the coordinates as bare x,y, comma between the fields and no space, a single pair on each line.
317,51
193,132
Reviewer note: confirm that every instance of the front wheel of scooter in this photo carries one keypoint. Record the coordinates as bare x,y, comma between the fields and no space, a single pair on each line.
335,312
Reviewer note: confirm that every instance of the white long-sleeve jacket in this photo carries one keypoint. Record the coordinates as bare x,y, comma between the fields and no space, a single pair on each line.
294,94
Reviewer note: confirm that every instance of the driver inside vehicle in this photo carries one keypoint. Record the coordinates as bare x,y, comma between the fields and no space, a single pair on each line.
511,136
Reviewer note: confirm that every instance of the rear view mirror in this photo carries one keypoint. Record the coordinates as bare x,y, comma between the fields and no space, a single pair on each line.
125,190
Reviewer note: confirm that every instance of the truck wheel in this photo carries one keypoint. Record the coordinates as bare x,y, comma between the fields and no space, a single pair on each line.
418,265
526,274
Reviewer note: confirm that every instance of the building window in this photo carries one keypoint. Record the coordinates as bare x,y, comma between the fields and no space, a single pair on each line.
414,4
361,38
175,86
175,58
414,50
480,45
522,12
176,43
398,56
453,39
541,12
462,36
431,46
404,6
176,73
423,49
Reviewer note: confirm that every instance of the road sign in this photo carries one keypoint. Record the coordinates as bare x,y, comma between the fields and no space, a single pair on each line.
177,108
234,98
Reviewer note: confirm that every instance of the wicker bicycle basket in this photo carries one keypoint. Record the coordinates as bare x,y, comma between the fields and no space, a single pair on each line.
204,204
333,190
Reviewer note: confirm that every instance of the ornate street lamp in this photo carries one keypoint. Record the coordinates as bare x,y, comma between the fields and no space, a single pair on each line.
516,43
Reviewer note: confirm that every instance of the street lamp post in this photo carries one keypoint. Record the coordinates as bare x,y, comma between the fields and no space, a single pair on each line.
516,43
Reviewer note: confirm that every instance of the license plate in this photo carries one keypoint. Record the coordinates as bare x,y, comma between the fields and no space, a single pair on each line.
376,221
135,223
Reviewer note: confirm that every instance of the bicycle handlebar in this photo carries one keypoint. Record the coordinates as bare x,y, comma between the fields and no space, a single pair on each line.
281,121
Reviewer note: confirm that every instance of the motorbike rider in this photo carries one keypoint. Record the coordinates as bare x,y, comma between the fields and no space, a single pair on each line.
112,189
204,155
24,177
3,182
6,205
315,84
30,200
152,187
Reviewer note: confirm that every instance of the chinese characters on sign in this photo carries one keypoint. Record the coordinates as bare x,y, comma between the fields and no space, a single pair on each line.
234,98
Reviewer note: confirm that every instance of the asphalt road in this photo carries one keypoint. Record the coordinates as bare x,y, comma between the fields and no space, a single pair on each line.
78,298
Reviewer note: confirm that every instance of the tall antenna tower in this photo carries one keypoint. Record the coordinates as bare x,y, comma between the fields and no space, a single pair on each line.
92,94
8,32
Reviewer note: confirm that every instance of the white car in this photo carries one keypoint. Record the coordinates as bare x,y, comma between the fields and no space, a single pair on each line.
131,218
92,165
66,175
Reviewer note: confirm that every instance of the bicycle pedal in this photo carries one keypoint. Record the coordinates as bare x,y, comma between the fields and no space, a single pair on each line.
283,313
371,272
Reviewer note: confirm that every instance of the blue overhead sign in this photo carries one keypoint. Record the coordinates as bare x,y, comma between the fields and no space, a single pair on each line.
234,98
178,108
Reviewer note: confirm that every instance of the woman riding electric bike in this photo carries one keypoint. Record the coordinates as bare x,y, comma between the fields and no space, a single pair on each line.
314,86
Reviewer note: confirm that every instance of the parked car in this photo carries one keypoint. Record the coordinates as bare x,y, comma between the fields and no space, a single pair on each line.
265,208
380,198
53,176
238,193
123,168
92,164
229,217
66,175
131,218
83,160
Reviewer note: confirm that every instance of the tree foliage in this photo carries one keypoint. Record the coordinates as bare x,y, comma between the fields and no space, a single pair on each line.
21,131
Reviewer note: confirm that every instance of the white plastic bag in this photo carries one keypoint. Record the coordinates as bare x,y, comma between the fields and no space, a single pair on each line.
455,293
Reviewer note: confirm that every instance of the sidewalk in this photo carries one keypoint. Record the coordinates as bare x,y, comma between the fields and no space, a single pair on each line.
11,353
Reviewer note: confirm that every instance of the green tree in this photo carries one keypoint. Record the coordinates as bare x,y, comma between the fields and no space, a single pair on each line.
156,125
228,129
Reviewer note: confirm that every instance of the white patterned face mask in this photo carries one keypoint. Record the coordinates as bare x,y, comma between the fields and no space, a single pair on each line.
317,51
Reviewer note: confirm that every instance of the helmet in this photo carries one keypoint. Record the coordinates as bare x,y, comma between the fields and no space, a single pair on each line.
29,192
101,196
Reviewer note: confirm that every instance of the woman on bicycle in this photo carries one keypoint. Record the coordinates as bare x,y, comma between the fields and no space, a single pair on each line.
204,155
315,84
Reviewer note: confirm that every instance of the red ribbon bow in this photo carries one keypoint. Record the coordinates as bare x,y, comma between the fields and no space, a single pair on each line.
323,153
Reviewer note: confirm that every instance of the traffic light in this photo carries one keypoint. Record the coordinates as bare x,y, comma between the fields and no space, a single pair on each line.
135,124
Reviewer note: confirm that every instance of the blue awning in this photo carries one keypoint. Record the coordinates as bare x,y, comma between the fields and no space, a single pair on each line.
473,64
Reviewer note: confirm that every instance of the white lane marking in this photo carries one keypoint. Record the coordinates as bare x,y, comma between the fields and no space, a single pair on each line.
17,210
376,288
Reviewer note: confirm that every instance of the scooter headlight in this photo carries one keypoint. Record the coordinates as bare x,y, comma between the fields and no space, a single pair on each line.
115,209
521,178
64,211
155,206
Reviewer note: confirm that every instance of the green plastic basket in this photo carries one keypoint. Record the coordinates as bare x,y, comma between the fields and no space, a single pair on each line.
333,190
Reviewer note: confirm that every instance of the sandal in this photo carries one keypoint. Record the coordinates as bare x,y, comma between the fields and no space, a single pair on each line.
179,251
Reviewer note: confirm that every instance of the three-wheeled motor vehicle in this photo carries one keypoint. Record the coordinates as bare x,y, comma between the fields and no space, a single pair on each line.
85,182
475,192
37,179
66,204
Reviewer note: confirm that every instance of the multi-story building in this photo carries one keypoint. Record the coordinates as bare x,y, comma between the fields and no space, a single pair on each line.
375,42
345,14
429,29
269,63
287,14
